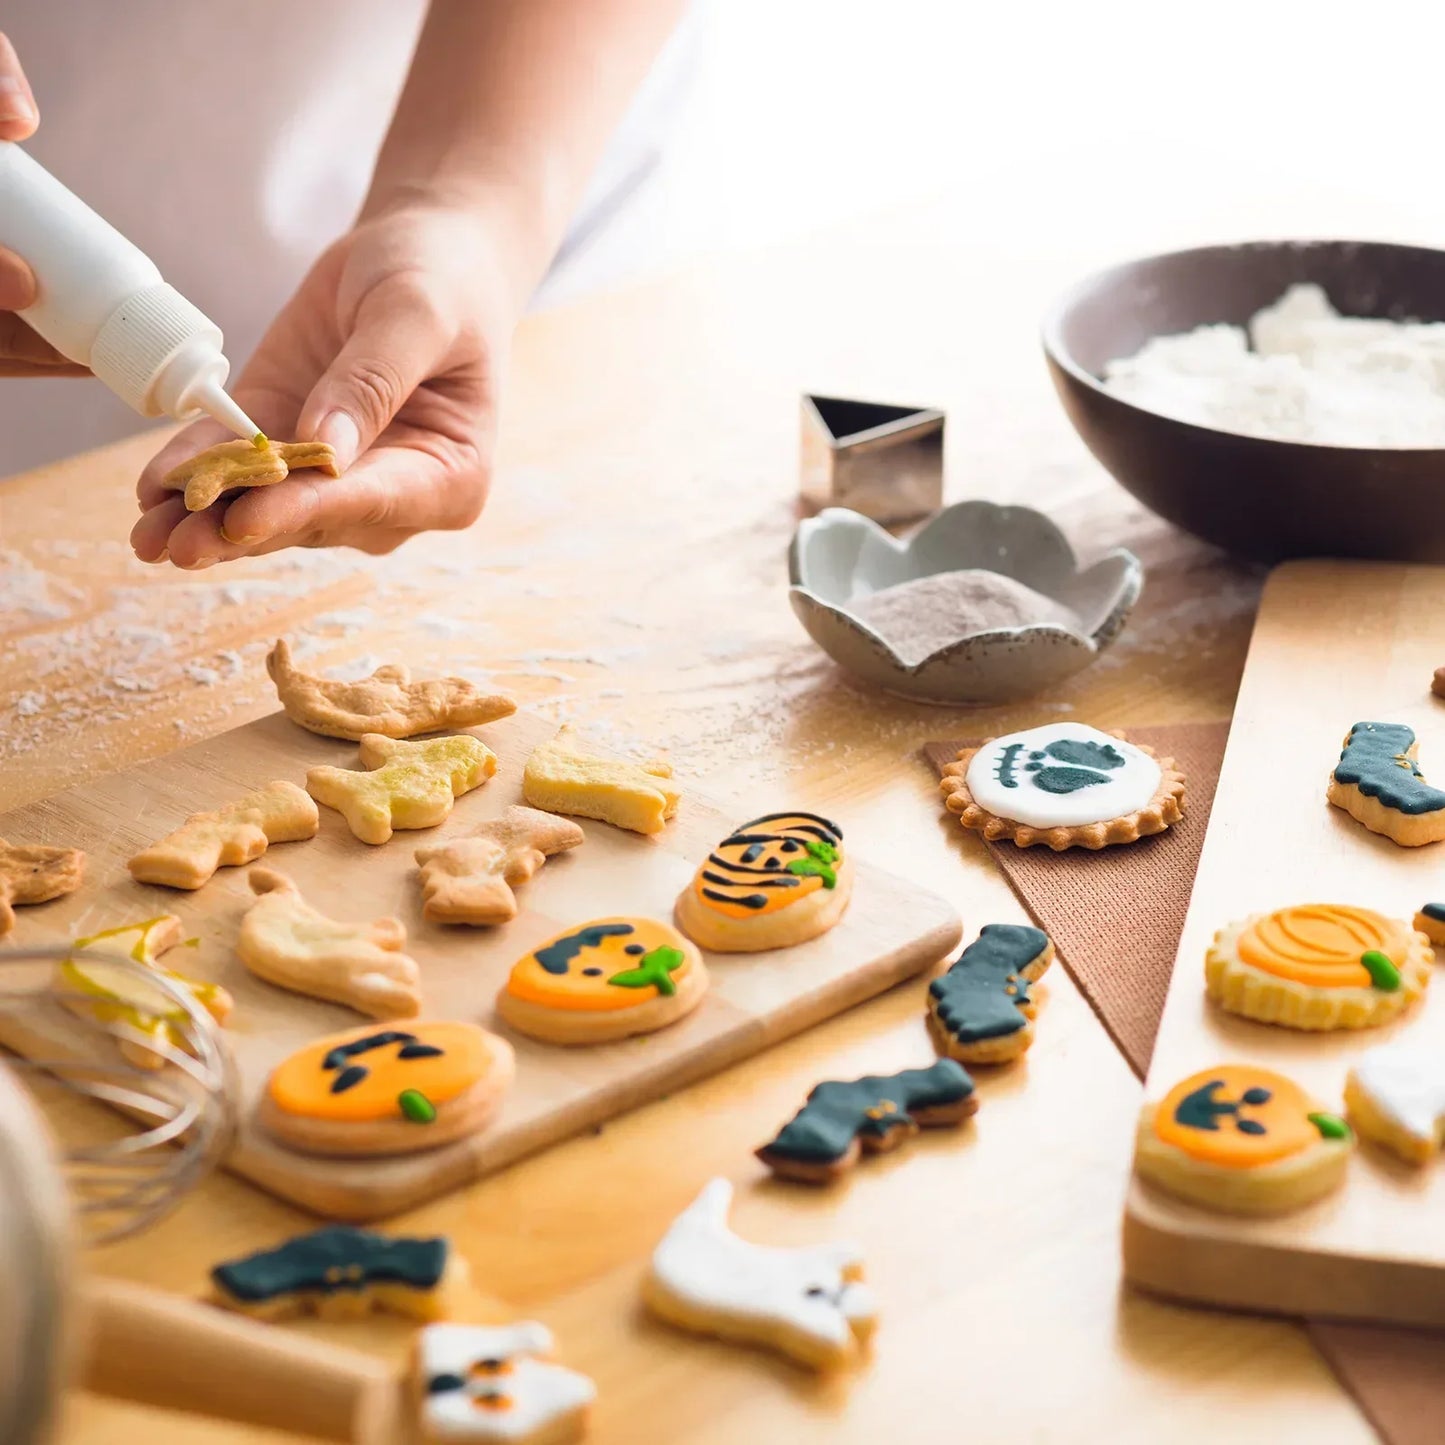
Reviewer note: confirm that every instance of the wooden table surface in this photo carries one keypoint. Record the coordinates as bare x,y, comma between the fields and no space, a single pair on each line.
629,574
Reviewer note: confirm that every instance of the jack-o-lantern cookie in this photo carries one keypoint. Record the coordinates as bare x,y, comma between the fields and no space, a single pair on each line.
1379,784
1242,1140
1065,785
778,880
1318,966
379,1090
602,981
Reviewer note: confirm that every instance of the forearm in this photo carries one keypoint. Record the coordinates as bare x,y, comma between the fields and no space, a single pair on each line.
507,107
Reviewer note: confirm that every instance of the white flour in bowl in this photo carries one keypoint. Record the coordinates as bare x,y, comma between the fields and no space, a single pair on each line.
1302,373
918,617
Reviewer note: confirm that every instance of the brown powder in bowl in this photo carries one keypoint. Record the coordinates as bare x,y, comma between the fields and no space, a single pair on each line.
917,618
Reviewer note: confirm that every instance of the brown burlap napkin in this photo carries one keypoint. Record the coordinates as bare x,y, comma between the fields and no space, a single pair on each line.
1115,918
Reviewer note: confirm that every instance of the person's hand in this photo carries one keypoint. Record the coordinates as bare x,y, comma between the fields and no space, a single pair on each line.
22,352
391,350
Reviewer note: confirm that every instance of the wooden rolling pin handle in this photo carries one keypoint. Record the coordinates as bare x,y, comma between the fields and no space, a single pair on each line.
139,1344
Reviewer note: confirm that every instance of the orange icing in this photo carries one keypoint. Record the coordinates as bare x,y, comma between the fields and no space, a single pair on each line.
300,1085
576,991
1285,1118
1321,944
742,885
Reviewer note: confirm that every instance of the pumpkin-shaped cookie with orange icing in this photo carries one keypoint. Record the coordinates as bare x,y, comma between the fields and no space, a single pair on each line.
1318,966
604,980
1242,1140
387,1090
779,880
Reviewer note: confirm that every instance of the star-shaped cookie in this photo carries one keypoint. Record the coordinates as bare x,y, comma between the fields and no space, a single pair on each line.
231,465
408,785
470,880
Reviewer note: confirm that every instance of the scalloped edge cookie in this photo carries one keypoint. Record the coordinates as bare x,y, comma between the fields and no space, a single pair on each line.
1161,812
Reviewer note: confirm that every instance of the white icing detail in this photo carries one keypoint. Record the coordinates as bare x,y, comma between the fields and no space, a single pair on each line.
702,1262
1406,1082
541,1392
1123,790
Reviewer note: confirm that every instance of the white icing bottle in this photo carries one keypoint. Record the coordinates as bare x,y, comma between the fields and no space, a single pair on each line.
102,302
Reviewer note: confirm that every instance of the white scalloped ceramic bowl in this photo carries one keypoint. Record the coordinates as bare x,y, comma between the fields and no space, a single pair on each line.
840,556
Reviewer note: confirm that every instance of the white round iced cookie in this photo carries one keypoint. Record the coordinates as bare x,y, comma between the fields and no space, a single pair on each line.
1062,775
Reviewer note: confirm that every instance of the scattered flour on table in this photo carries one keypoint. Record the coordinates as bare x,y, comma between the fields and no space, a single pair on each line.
916,618
1301,372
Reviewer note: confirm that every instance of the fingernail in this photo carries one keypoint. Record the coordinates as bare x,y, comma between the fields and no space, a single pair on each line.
15,104
165,556
247,539
200,563
340,433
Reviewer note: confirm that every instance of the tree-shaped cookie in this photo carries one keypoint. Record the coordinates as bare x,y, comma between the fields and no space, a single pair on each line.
407,785
287,942
563,778
33,873
388,702
148,1022
234,835
231,465
470,880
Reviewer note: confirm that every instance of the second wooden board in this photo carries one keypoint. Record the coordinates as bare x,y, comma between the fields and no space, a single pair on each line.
1336,643
892,931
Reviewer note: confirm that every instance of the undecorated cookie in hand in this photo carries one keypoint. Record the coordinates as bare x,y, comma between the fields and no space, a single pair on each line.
234,835
1065,785
603,981
808,1302
405,785
470,880
148,1023
387,702
387,1090
1396,1096
232,465
1318,966
980,1012
284,940
33,873
873,1114
341,1273
778,880
1242,1140
563,778
1378,783
492,1383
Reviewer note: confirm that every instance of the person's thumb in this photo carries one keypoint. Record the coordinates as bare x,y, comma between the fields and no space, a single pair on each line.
19,114
398,341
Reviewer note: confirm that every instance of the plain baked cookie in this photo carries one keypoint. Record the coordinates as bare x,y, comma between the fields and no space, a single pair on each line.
1395,1096
387,1090
34,873
561,777
604,980
1318,966
485,1383
1065,785
1242,1140
341,1273
980,1012
872,1114
1378,783
778,880
809,1303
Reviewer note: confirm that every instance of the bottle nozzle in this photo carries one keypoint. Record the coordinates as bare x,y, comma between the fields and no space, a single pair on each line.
211,397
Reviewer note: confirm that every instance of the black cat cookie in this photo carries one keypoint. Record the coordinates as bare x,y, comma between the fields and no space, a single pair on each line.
980,1011
873,1114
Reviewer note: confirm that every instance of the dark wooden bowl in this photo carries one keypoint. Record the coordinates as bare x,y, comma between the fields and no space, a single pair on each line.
1258,498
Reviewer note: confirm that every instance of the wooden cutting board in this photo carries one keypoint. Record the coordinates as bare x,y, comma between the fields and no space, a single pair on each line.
893,930
1336,643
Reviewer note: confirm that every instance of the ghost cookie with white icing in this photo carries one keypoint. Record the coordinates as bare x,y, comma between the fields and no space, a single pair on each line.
486,1383
1065,785
808,1303
1395,1096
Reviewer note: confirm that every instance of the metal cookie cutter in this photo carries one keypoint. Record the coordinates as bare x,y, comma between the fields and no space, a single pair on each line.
883,461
